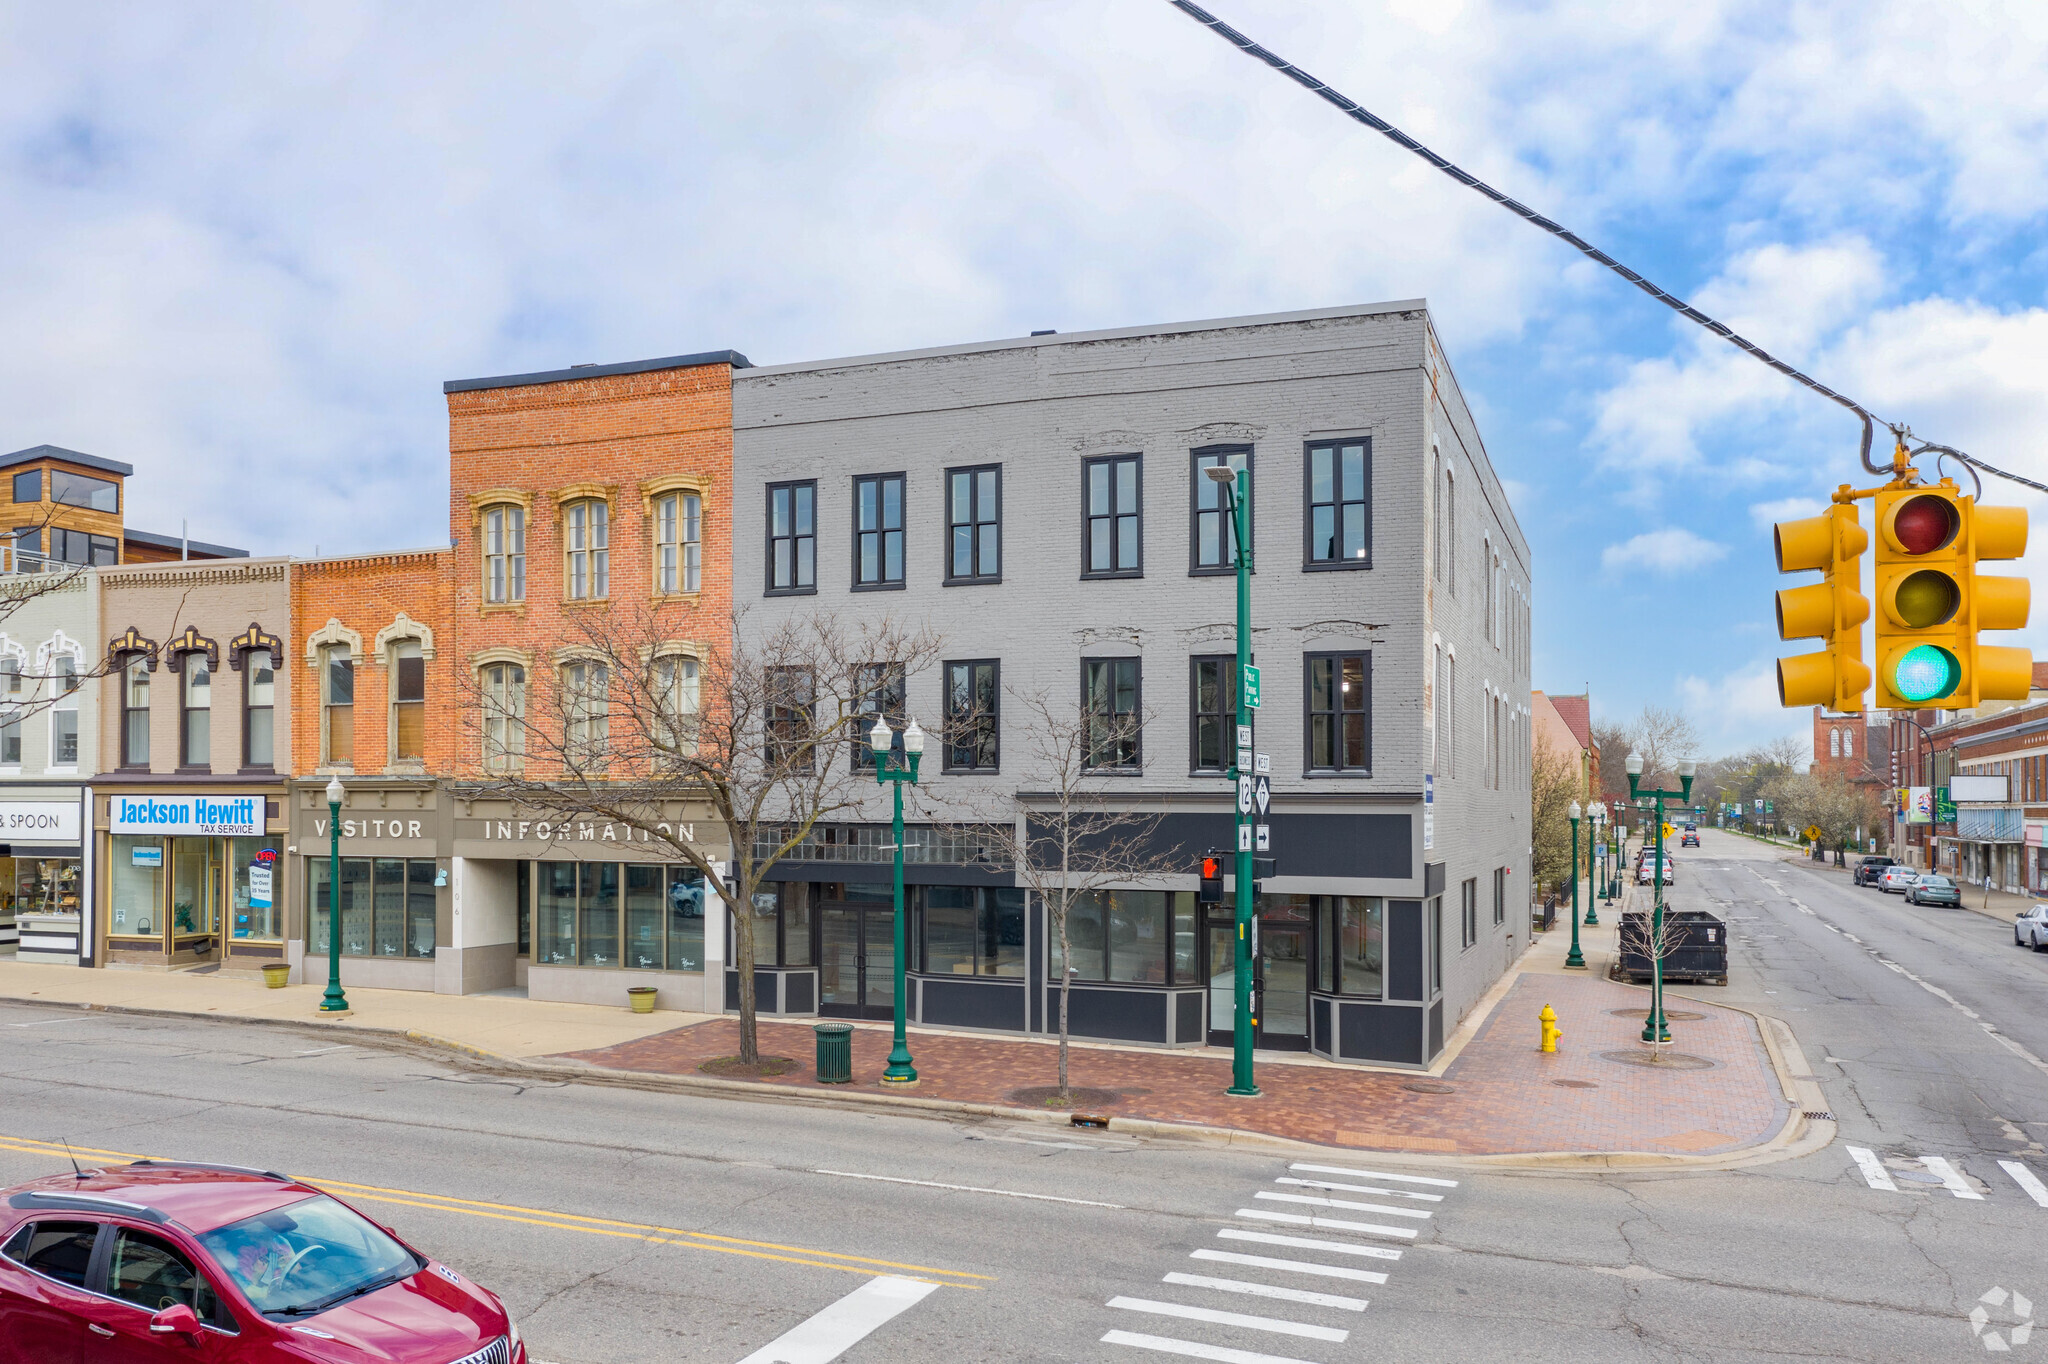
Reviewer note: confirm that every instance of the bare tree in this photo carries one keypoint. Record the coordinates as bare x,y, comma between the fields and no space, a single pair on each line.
765,727
1662,736
1554,783
1656,939
1061,832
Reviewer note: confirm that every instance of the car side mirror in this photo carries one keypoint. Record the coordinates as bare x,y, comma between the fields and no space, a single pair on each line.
176,1320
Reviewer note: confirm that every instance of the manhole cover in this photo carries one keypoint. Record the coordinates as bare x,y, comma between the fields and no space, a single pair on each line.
1670,1060
1575,1084
1670,1015
1429,1087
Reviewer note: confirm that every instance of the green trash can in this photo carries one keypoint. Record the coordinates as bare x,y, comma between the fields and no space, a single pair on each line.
835,1052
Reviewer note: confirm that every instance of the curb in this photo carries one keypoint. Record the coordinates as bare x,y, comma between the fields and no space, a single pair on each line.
1784,1145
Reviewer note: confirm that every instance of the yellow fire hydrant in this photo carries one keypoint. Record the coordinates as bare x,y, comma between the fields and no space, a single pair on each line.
1550,1029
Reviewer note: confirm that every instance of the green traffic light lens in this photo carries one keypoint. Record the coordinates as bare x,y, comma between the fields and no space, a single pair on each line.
1924,673
1926,598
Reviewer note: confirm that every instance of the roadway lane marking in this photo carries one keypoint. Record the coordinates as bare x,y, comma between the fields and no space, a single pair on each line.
829,1334
568,1221
1874,1173
1267,1238
1951,1178
1209,1314
1191,1350
2027,1180
1374,1174
970,1188
1260,1290
322,1051
1231,1257
1360,1188
1349,1205
1327,1223
1965,1010
45,1022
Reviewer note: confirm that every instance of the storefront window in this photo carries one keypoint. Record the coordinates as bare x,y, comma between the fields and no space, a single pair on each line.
764,927
256,910
137,886
45,885
1350,942
1123,937
1184,938
189,867
685,919
796,927
644,914
638,915
387,906
600,939
972,931
554,914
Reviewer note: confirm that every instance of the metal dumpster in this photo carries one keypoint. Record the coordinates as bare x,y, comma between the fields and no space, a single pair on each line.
1699,955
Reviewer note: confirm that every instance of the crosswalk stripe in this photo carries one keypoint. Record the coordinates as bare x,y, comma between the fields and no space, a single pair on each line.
1249,1322
1317,1201
1361,1188
2027,1180
1267,1238
839,1327
1874,1173
1260,1290
1375,1174
1951,1178
1192,1350
1327,1223
1231,1257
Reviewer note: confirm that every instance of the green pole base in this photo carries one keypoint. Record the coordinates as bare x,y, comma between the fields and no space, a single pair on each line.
334,1001
1574,961
1244,1091
901,1081
1592,917
900,1071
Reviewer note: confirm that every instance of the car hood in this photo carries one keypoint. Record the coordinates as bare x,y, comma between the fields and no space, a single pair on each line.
422,1320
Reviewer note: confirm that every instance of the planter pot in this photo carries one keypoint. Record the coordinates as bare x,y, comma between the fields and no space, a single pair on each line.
276,976
642,998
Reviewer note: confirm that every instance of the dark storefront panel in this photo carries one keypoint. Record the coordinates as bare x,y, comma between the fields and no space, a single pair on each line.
1319,1038
950,1003
1334,845
1436,1029
1379,1032
1404,950
1116,1015
1187,1017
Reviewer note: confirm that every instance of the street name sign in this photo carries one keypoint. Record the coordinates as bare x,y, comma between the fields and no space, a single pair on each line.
1251,686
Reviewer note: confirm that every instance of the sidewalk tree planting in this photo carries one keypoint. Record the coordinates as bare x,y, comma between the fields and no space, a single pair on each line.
1555,782
762,726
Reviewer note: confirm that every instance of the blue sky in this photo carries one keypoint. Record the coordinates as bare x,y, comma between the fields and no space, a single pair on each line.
243,246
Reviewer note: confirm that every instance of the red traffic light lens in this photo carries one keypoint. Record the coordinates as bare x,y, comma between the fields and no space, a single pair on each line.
1924,524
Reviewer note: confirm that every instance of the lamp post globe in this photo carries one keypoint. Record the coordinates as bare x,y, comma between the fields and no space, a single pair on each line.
332,1000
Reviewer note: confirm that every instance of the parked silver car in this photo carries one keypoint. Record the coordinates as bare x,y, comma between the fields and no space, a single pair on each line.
2030,928
1897,879
1930,889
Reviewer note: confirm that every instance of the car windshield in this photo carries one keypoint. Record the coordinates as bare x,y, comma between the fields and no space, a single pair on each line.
304,1258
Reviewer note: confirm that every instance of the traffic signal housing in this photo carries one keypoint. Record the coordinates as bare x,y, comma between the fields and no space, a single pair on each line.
1832,610
1931,602
1210,891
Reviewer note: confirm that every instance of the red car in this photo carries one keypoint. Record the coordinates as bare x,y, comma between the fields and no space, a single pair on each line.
181,1261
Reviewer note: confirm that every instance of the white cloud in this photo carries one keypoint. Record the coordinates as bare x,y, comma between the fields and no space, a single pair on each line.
1739,708
1768,514
1671,550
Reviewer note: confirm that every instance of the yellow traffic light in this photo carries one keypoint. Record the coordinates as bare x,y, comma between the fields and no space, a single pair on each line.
1931,602
1832,610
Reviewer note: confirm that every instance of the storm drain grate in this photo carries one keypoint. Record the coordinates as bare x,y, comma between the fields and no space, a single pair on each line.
1812,1116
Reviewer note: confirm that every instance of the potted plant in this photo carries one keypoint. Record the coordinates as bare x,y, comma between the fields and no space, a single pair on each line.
642,998
276,974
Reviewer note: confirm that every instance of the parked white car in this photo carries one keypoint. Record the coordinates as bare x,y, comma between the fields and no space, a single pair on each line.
1643,869
1897,879
2030,928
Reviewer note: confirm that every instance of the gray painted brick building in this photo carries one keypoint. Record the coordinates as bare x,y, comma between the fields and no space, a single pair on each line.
1038,502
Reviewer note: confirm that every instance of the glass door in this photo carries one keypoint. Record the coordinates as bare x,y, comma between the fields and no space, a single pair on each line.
1281,973
856,960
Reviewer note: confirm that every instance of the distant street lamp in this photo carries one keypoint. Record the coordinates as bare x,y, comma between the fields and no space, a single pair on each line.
1594,836
1574,959
1655,1028
882,741
334,1001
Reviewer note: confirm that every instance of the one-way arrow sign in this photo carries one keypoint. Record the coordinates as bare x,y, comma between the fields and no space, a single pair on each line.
1262,794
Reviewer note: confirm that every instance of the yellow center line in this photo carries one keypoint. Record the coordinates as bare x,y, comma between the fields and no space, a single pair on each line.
566,1221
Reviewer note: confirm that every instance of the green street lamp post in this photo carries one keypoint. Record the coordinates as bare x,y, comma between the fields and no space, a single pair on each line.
334,1001
1598,811
1235,487
1655,1028
882,741
1575,959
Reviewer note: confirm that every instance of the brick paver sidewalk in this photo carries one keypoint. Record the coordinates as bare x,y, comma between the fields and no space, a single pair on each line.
1506,1096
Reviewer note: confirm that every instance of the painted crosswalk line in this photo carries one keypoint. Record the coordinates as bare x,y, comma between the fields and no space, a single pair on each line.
1874,1173
1262,1290
1268,1238
2027,1180
1360,1188
831,1333
1300,1219
1190,1349
1211,1315
1950,1177
1352,1205
1374,1174
1231,1257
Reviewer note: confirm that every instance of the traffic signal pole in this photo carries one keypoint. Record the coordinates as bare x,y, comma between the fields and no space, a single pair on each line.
1241,1081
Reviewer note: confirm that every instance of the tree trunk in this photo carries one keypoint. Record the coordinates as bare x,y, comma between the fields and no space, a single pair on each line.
743,941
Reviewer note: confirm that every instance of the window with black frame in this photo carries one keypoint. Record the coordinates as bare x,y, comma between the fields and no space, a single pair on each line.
387,906
1212,539
259,708
974,514
1109,705
1111,537
135,711
788,736
1468,910
1338,520
882,694
792,538
1339,701
1212,710
877,532
1351,945
973,715
1127,937
971,930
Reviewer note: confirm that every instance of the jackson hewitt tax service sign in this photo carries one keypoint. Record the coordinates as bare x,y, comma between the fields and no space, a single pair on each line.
200,816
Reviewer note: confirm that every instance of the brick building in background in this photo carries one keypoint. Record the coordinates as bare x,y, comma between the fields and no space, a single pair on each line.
1566,724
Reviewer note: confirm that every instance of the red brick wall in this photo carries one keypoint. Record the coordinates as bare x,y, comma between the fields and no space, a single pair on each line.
366,594
618,432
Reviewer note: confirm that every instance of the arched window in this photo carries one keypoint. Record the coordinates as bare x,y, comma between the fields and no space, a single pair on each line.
586,550
504,555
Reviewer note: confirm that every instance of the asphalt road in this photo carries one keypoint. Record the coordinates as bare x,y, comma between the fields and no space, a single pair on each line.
626,1225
